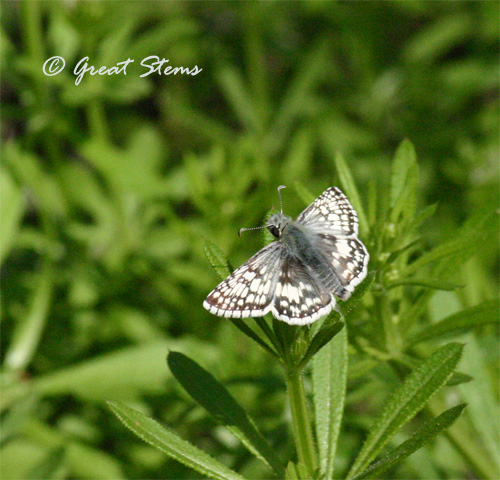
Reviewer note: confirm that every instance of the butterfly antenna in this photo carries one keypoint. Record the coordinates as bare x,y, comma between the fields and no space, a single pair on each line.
264,226
279,194
252,228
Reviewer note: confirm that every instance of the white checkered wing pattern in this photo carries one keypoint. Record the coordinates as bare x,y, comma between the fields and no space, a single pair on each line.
349,259
249,291
299,298
331,212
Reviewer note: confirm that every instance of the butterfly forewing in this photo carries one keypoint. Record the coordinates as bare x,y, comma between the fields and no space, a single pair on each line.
332,212
248,292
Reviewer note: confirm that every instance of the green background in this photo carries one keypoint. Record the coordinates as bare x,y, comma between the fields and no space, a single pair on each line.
111,187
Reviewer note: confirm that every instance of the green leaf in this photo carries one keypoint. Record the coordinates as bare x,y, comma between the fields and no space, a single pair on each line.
243,327
405,364
298,159
458,378
372,203
300,89
28,333
11,199
236,92
408,248
291,472
405,204
214,397
403,160
349,188
348,306
425,282
217,259
171,444
297,471
408,400
481,396
421,217
48,467
461,322
424,435
458,249
329,376
319,340
124,373
194,119
304,193
456,245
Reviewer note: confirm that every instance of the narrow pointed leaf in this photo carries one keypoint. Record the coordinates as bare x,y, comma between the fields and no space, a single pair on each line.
13,205
171,444
406,202
349,188
409,399
301,87
299,157
297,471
425,282
440,252
372,203
320,340
461,322
406,364
329,375
304,193
217,259
214,397
403,160
424,435
236,92
347,307
458,378
291,472
421,217
243,327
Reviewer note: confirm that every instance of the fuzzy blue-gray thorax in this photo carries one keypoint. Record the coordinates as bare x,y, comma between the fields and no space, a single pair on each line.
297,238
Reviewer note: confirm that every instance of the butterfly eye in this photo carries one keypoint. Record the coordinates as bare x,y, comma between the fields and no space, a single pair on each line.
274,230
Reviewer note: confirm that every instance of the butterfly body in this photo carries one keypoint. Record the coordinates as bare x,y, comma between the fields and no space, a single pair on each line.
316,258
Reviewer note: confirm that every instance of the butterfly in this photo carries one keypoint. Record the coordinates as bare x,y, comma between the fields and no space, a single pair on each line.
297,278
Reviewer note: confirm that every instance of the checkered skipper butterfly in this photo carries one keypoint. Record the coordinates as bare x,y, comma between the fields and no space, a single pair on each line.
316,258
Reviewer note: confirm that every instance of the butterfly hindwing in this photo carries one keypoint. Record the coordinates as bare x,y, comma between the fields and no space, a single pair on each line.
349,259
299,298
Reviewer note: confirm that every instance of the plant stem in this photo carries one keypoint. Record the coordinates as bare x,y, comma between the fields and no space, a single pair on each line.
302,430
384,314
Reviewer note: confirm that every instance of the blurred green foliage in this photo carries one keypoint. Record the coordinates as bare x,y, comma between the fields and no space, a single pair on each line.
110,188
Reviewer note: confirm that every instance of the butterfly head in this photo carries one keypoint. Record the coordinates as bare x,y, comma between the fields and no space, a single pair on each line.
277,224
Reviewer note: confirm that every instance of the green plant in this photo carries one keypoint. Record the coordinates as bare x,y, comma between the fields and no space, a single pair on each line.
385,326
108,188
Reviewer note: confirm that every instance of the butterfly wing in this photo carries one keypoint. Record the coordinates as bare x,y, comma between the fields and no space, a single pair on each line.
299,299
331,212
248,292
334,224
349,260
